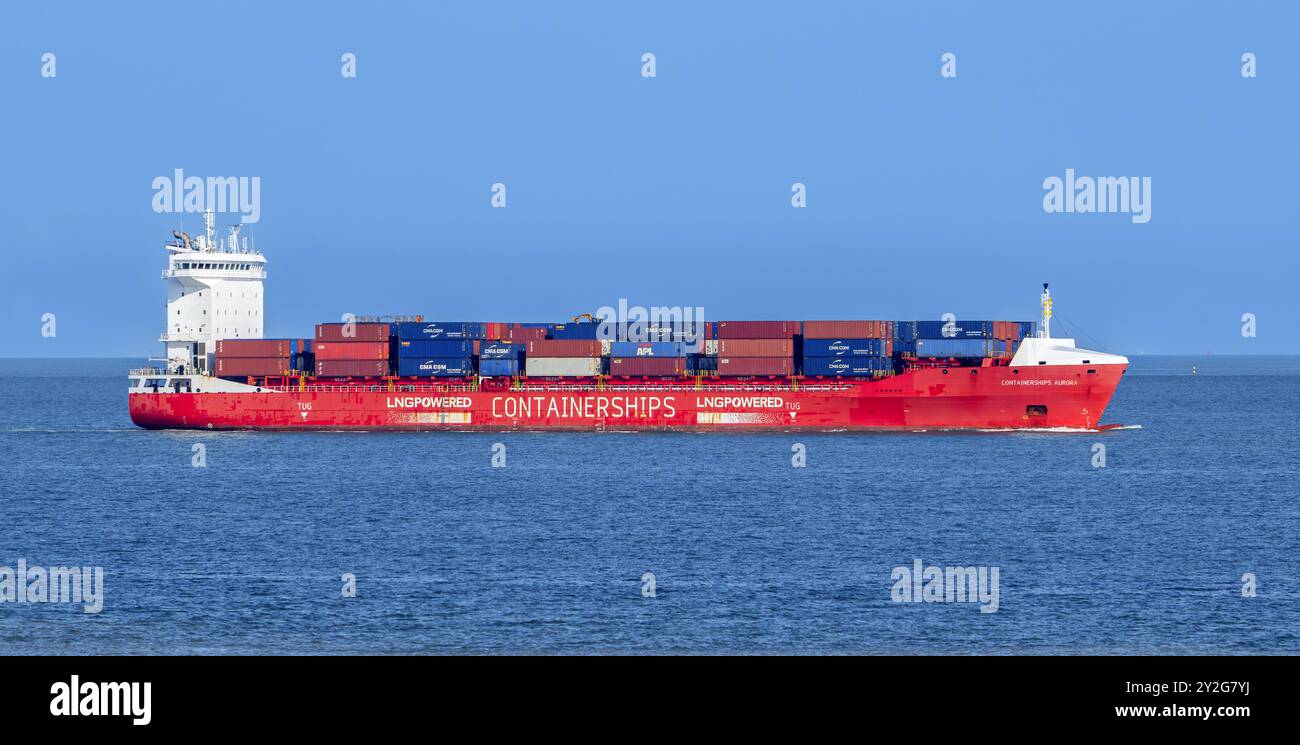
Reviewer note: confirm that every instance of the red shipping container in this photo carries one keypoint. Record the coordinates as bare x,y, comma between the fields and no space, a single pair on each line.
564,348
737,366
351,368
363,332
351,350
498,332
263,348
756,347
674,366
251,366
526,333
848,329
757,329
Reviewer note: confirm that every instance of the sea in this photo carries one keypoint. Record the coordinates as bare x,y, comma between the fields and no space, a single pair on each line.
1177,533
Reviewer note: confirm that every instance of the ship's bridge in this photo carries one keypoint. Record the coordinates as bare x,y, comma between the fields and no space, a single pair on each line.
214,291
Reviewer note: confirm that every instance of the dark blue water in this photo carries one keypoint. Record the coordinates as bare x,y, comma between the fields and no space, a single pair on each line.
750,554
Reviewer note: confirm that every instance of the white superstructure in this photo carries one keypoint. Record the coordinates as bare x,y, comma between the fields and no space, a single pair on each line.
214,291
1044,350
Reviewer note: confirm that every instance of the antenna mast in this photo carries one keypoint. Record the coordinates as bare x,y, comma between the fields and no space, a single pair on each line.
1046,333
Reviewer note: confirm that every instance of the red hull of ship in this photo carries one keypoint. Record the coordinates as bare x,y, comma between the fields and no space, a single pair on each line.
1073,396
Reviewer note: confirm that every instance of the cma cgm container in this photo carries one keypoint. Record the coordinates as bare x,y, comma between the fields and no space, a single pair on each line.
545,367
848,329
954,329
254,348
251,366
431,348
563,348
693,331
357,332
352,350
847,366
755,347
847,347
741,366
640,366
351,368
757,329
499,350
441,367
952,347
412,330
652,348
496,368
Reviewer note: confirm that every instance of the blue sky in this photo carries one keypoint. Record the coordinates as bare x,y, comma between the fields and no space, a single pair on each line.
924,193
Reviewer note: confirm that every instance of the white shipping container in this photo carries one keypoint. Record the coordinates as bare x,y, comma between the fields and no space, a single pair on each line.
604,347
563,366
711,346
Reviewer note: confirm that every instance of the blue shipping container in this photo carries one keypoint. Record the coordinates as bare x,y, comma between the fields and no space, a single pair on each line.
843,347
650,349
905,330
1028,329
657,331
435,348
573,331
698,363
443,367
493,368
954,329
952,347
441,330
499,350
855,366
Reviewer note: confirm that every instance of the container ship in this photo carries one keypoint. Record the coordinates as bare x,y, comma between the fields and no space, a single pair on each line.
588,374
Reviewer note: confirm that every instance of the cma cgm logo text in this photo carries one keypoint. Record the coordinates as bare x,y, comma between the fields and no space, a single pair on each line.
91,699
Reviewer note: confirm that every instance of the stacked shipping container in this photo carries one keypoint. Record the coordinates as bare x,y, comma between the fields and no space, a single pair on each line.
848,348
756,348
673,349
352,349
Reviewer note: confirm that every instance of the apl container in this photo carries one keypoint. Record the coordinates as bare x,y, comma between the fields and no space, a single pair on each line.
757,329
251,366
351,368
430,348
438,367
847,366
847,347
647,366
543,367
499,350
744,366
848,329
356,332
563,348
352,350
412,330
755,347
496,368
650,349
